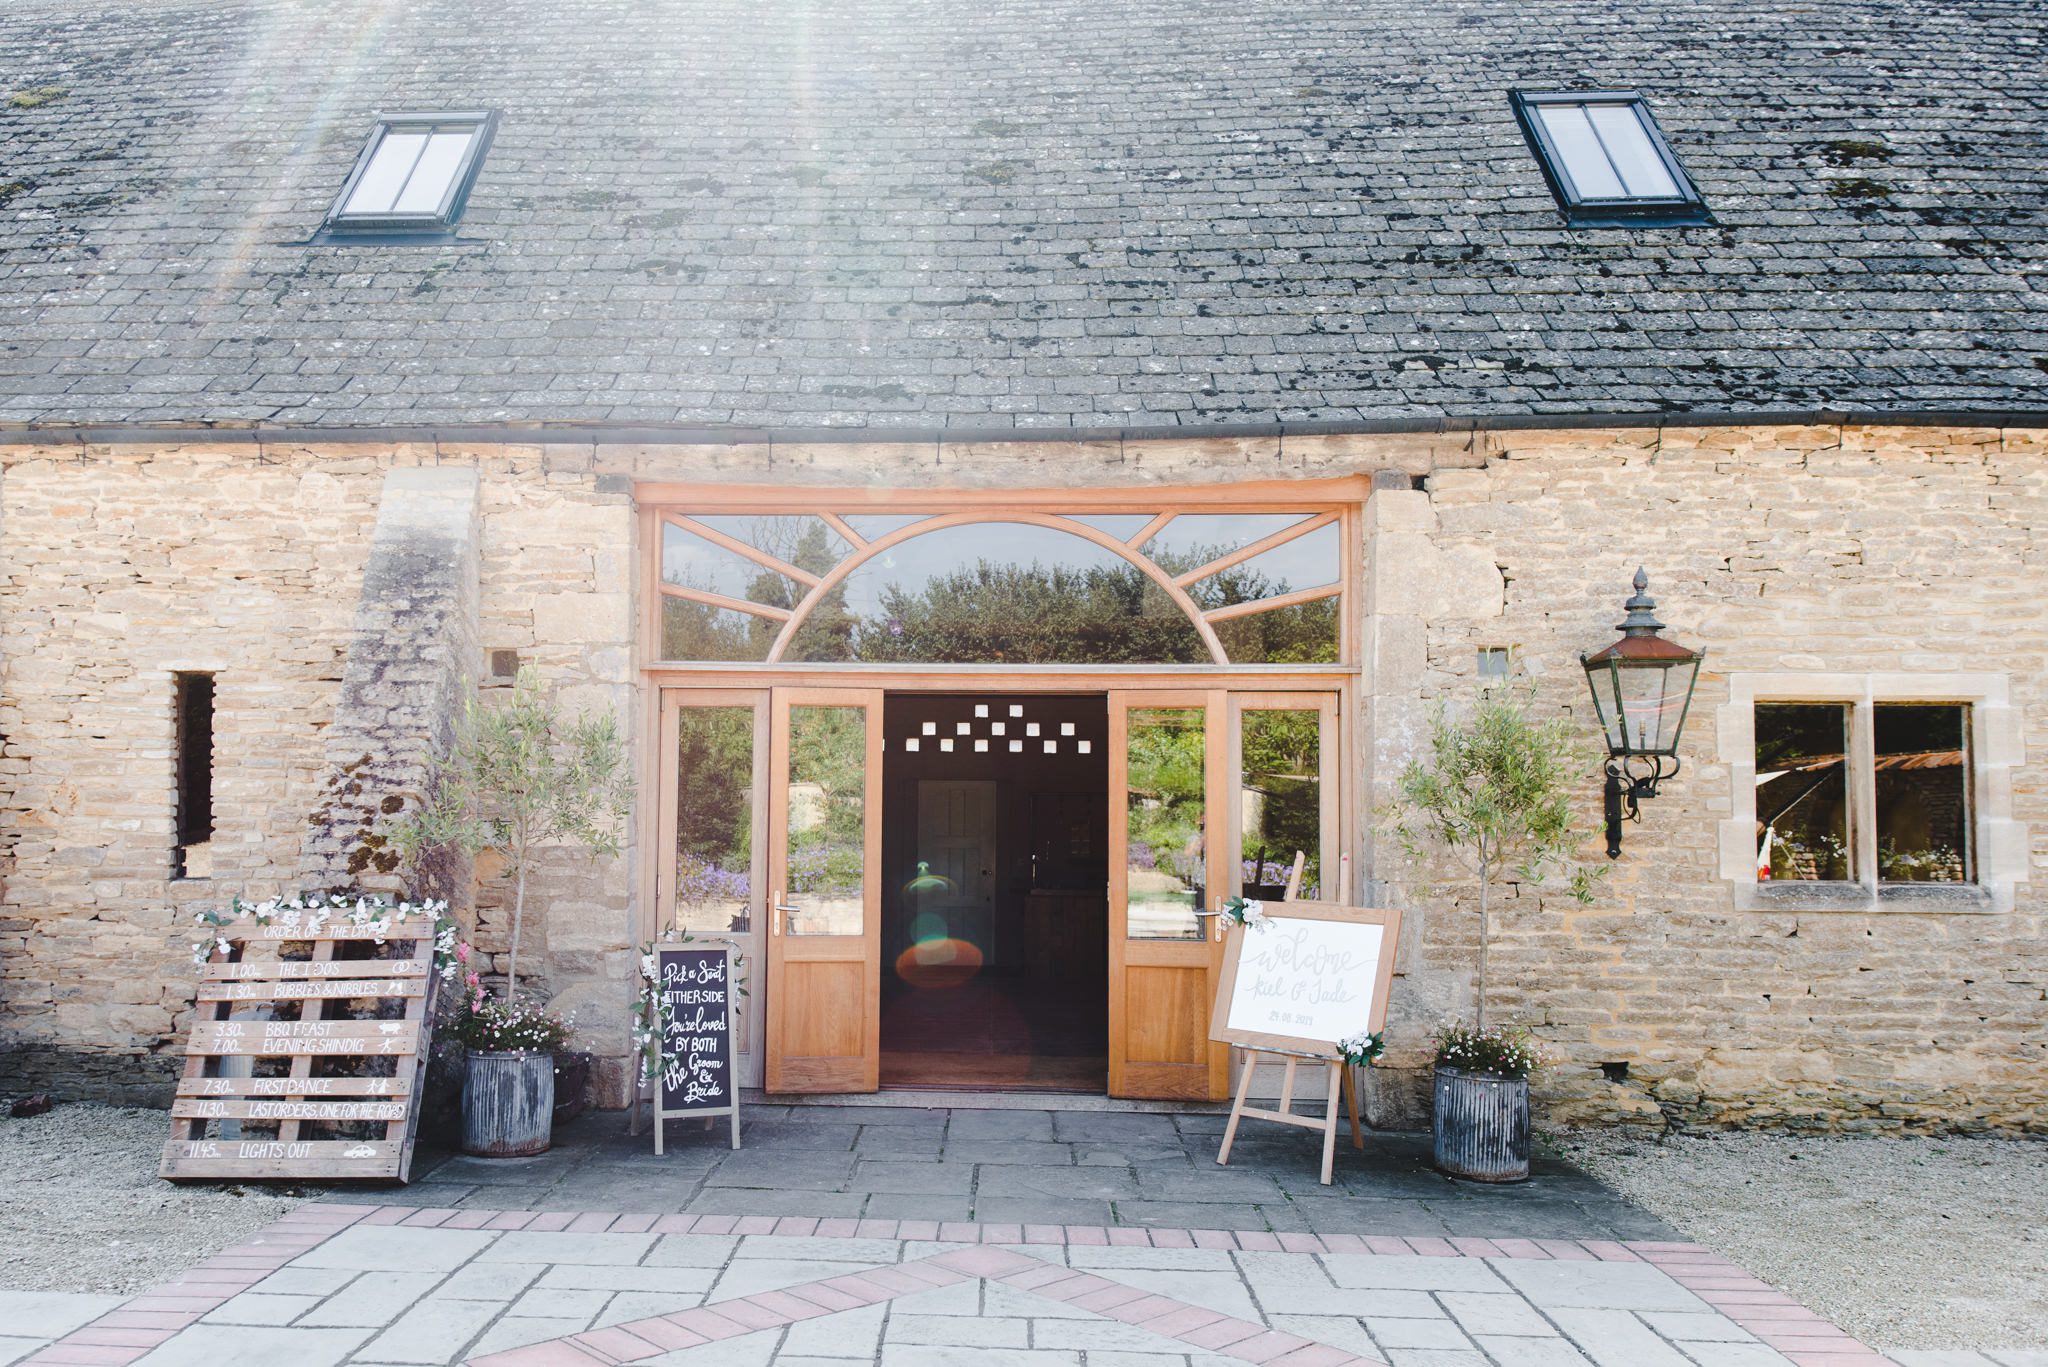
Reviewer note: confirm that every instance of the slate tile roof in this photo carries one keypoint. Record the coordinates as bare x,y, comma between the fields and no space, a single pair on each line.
1015,213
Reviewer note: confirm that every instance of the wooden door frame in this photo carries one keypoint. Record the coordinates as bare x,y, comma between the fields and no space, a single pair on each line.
659,871
865,948
1126,953
1239,686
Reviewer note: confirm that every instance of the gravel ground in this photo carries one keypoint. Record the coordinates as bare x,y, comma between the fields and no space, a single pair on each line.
83,1209
1905,1243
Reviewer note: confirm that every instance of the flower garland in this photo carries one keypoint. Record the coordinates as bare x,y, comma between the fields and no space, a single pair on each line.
1250,915
1363,1048
312,913
652,1014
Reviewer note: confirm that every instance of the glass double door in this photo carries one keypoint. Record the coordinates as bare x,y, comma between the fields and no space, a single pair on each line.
773,812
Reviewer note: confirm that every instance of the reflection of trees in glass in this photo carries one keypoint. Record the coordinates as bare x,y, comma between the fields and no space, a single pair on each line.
699,631
1027,614
714,811
1165,784
827,800
994,612
1282,756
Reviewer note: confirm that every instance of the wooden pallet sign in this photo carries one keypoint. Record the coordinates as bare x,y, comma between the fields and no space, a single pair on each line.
306,1067
1312,975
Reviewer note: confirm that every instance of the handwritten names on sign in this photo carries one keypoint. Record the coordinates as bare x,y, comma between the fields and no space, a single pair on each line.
696,1077
1312,975
305,1067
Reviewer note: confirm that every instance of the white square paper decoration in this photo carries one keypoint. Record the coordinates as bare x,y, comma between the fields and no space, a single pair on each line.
1016,746
947,745
931,728
1066,728
981,709
911,743
980,745
1016,710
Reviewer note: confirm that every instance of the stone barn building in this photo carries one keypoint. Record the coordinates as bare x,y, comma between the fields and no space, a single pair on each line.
1018,481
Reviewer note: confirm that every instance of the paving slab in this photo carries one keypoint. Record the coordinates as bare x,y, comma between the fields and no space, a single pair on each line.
40,1315
1595,1286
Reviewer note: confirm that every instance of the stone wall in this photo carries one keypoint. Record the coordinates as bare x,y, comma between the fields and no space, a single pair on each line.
1824,550
1778,549
120,565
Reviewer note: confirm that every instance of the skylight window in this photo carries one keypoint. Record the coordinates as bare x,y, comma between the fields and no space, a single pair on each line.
414,174
1606,160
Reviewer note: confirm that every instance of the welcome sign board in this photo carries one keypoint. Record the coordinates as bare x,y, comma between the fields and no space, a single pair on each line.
1306,976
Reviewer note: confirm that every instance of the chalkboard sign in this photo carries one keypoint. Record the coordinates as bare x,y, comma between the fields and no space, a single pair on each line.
1314,973
697,1078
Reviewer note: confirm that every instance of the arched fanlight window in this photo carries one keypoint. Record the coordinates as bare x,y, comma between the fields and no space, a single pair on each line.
1001,588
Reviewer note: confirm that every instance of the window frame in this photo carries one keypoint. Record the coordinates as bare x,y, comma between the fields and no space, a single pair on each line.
1993,747
1688,207
940,510
436,224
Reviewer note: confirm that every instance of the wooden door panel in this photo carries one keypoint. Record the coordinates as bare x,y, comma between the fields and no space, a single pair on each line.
1166,806
824,931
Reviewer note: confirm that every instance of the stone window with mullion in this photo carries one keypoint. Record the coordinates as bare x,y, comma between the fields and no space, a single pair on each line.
1870,791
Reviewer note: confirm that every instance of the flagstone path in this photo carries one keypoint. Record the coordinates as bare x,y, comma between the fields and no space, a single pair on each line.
402,1286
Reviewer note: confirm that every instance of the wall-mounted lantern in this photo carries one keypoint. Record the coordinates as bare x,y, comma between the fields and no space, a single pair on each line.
1642,686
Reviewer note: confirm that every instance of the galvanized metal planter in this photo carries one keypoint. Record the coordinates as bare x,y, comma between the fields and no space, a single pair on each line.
508,1103
1480,1124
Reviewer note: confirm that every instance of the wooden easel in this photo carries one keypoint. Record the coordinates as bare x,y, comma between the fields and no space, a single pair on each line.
1339,1080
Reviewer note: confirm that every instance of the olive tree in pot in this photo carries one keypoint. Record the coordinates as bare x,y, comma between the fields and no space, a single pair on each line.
518,776
1494,797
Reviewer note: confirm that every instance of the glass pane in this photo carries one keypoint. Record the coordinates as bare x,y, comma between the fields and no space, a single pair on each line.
1584,164
805,542
714,819
1164,809
699,631
999,593
827,819
1193,540
1629,146
1653,698
1306,562
1122,526
1802,792
691,562
1305,633
875,526
1280,797
434,174
386,174
1923,793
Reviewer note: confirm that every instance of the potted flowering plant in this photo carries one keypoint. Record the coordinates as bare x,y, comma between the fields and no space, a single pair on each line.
1480,1120
517,776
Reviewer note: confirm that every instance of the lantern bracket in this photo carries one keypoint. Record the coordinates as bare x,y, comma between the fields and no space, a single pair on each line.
1631,778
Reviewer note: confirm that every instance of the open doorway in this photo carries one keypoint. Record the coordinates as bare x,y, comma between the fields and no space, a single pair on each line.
995,902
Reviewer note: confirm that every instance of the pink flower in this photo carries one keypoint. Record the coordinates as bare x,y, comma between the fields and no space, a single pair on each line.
462,951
